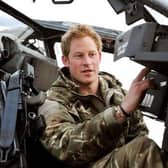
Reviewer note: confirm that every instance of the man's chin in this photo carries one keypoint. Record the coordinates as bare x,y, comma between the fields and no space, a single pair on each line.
86,81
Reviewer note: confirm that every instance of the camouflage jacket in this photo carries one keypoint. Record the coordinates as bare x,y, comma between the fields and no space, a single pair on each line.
81,129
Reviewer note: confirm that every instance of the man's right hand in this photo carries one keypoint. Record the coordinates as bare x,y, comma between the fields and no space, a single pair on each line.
137,91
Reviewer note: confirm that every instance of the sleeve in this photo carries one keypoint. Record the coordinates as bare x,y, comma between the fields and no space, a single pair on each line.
137,126
78,142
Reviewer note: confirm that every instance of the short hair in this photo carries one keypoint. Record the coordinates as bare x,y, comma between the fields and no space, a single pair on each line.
79,31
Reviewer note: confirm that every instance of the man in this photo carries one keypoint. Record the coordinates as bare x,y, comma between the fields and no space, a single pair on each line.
90,121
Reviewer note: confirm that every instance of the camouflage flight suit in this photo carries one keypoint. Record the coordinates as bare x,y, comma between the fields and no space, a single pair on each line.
83,132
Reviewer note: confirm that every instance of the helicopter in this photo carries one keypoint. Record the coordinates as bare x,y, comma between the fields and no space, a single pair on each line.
27,55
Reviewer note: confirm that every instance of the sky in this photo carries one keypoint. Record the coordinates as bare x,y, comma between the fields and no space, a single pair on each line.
99,13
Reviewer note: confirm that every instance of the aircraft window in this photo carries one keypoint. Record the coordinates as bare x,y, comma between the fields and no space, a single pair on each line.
37,45
8,22
58,53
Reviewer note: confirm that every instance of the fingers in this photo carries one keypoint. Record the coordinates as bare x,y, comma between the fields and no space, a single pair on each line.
142,74
137,91
145,84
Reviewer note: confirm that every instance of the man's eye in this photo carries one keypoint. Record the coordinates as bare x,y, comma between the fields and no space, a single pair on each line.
78,56
92,54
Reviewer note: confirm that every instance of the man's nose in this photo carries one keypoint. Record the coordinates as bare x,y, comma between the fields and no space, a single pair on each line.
87,59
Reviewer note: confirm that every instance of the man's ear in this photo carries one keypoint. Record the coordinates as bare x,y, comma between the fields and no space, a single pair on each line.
65,60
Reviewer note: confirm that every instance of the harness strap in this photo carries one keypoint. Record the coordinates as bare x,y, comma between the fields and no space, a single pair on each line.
8,123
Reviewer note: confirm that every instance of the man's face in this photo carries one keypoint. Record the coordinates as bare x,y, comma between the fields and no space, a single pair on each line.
83,60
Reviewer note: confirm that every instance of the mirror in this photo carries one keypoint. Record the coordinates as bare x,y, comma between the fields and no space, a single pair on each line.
62,1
